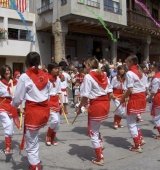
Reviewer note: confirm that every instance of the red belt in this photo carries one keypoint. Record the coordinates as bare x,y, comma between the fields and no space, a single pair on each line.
64,90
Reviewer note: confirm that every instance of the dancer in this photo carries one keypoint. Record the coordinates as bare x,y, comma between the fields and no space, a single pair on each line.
119,87
34,86
136,91
64,90
155,92
55,96
95,87
8,114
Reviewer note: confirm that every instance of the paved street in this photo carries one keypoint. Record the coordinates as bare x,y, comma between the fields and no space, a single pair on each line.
74,150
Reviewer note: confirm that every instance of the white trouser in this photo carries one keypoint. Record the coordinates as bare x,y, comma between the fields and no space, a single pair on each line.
121,110
132,125
32,146
7,123
55,121
156,119
94,133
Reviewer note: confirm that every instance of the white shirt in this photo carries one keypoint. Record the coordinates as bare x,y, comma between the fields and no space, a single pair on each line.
76,63
57,89
64,84
66,76
4,92
100,65
155,84
92,90
27,90
119,63
138,85
117,85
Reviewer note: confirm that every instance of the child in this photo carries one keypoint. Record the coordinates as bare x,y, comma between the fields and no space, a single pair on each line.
76,93
64,90
119,86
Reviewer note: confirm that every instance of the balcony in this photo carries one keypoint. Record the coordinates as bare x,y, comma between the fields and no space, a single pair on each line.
90,3
112,9
45,8
141,21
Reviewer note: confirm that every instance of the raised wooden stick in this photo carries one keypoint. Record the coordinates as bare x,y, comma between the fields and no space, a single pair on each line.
65,117
12,87
74,119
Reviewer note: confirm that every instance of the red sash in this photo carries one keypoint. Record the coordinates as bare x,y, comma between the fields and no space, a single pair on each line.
99,108
36,117
156,103
136,103
64,90
10,110
118,92
54,103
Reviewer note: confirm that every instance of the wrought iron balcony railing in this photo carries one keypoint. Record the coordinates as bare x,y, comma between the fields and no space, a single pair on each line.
112,9
45,8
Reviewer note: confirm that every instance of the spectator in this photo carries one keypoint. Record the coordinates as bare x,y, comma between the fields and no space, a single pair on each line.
106,70
63,64
80,64
114,72
67,76
100,63
119,63
76,62
44,68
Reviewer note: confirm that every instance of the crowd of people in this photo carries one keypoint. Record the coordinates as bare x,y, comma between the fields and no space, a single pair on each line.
93,83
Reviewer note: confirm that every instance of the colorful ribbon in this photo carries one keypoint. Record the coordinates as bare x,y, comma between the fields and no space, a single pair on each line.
23,20
101,21
144,7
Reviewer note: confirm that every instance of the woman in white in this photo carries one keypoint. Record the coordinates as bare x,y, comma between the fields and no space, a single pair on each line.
155,92
136,91
8,114
34,86
95,87
119,87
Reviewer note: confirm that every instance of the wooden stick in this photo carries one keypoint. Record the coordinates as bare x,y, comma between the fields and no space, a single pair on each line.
65,116
21,116
74,119
2,101
12,87
117,108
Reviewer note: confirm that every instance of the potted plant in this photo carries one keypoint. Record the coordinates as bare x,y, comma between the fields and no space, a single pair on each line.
3,32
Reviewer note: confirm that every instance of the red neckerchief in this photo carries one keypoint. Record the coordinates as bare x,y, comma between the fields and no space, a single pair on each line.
8,84
39,78
52,79
134,69
101,79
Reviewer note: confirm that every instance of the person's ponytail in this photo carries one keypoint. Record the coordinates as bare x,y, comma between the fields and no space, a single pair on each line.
140,71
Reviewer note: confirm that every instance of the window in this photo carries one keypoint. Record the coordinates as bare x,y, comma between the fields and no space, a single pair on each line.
63,2
112,5
17,34
45,2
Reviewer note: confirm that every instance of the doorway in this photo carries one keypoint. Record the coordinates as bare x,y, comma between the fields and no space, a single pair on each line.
97,49
2,61
18,67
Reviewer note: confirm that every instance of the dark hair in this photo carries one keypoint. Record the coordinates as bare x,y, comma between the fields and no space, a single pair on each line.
134,60
106,69
3,71
51,66
157,65
123,77
32,59
142,66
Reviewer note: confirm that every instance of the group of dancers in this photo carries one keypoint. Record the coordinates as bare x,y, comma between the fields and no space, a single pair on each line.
44,94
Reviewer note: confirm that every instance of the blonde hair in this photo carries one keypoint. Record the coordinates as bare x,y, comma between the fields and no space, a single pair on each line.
134,61
94,64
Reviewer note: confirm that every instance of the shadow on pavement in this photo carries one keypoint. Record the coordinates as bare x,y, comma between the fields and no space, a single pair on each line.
83,152
81,130
117,141
108,124
149,133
